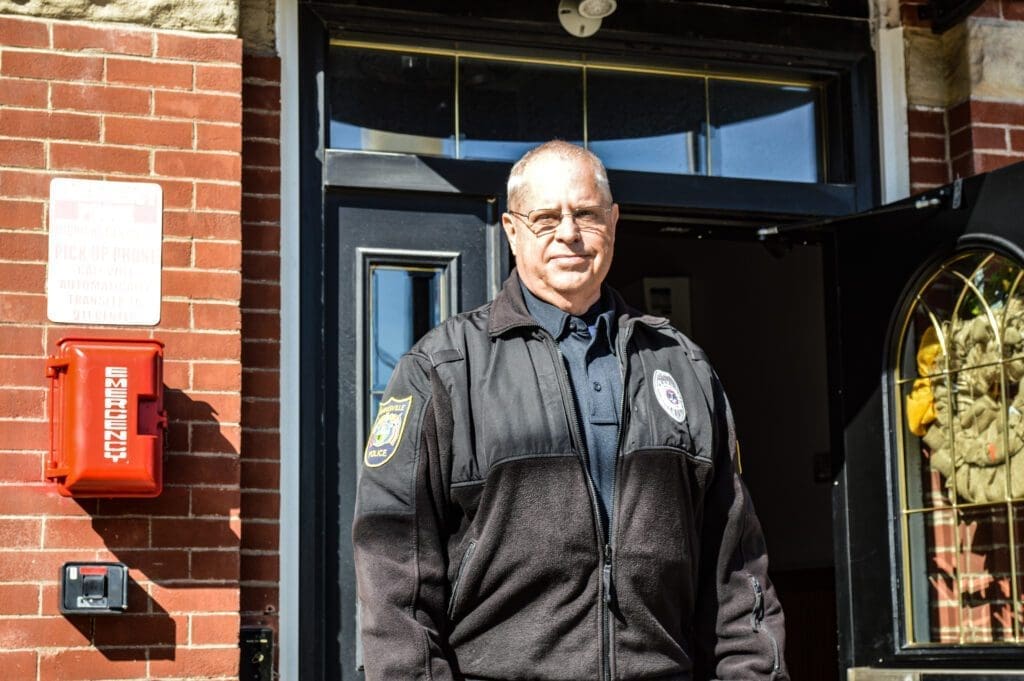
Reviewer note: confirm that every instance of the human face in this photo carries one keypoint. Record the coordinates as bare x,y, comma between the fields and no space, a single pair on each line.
564,267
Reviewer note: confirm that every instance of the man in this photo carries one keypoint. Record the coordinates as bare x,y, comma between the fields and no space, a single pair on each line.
548,490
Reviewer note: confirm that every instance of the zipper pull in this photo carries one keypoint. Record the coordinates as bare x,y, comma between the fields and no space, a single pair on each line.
606,576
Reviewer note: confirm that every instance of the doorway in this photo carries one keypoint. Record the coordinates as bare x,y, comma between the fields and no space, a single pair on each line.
759,313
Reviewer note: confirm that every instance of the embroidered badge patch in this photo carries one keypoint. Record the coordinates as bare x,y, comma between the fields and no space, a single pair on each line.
387,431
669,397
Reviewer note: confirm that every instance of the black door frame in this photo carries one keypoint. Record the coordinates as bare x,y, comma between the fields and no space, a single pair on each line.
836,46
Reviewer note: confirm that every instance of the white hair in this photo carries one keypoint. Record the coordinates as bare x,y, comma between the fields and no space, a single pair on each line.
560,149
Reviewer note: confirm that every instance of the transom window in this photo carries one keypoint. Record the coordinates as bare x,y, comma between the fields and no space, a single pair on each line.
473,105
961,470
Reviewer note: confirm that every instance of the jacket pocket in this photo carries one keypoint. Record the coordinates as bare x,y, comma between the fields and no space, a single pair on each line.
757,622
463,566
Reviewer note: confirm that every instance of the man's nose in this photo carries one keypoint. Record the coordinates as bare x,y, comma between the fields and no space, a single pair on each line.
567,229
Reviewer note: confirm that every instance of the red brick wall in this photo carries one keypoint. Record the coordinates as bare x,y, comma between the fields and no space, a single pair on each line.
970,137
261,334
107,102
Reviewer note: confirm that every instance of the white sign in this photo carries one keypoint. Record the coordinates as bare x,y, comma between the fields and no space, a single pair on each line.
104,263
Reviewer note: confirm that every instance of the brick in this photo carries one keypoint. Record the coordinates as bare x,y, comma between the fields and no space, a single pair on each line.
102,98
37,499
261,237
218,197
148,132
260,383
216,317
16,307
15,32
262,599
261,97
47,125
217,377
21,277
202,225
192,533
177,254
97,533
199,599
199,106
963,166
136,629
218,137
189,469
265,181
261,325
177,194
257,209
23,403
18,665
202,284
263,295
22,153
959,116
149,74
155,564
929,171
259,569
175,315
208,166
1016,140
927,147
226,406
261,266
260,124
84,665
986,137
20,371
27,93
996,113
20,340
262,355
197,345
22,215
261,153
202,663
173,501
23,565
258,475
222,566
15,184
1013,10
984,163
107,39
214,629
219,78
260,535
24,246
926,121
218,502
19,599
261,413
28,632
21,467
48,66
99,158
259,67
216,438
222,255
260,444
199,49
24,532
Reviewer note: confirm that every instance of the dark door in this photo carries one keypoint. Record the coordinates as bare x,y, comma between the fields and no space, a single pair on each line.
406,256
911,589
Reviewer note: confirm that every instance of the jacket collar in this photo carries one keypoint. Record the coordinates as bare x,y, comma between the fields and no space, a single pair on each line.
509,310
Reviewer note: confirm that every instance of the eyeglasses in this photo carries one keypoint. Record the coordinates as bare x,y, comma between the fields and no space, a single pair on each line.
544,221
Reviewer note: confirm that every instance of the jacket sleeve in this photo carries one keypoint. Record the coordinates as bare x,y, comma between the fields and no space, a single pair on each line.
396,532
741,631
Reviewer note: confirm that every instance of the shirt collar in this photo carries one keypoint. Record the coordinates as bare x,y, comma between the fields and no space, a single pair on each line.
556,322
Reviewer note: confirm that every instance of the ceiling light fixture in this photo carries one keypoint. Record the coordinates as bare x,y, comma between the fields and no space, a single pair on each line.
582,18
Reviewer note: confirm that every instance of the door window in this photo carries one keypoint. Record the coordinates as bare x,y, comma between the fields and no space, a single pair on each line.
961,362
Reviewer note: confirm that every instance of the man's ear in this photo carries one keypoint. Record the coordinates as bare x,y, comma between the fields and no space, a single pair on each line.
508,223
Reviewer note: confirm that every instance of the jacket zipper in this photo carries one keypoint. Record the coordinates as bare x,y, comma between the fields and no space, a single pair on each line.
602,532
463,565
757,620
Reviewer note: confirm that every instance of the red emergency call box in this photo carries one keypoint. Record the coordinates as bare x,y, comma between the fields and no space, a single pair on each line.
107,418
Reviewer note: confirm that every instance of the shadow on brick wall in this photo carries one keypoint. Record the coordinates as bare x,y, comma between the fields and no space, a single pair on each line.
182,547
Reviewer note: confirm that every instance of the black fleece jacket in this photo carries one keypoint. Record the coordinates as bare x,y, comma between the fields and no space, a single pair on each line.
478,552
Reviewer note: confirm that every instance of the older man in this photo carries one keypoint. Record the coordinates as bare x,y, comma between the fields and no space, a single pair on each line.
548,490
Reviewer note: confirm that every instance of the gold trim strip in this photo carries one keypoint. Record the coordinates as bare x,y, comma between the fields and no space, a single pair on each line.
570,62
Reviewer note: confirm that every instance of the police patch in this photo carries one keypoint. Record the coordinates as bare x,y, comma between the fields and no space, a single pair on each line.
387,431
669,397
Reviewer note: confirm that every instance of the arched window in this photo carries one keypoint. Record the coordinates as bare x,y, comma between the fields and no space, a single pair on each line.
961,466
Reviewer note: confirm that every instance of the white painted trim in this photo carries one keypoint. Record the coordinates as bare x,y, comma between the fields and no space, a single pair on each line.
893,142
287,31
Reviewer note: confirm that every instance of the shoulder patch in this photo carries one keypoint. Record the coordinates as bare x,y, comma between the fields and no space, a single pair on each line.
669,397
387,431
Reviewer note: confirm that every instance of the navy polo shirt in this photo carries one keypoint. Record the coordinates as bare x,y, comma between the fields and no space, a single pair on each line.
587,346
